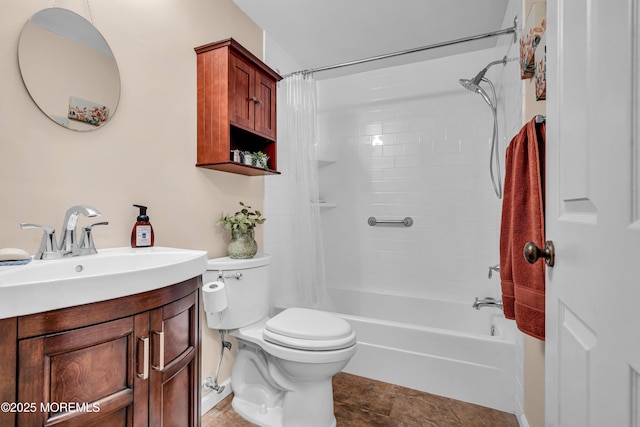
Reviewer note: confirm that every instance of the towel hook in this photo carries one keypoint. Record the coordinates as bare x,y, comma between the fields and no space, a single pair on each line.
532,253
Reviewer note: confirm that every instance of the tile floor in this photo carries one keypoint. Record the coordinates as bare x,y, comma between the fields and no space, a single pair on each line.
361,402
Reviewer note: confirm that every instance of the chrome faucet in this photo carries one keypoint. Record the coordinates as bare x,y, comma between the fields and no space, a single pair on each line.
86,245
48,247
487,302
68,245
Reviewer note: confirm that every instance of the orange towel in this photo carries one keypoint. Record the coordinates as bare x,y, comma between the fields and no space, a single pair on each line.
523,221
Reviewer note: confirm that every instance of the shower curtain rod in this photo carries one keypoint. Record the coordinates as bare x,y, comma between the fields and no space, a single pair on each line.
417,49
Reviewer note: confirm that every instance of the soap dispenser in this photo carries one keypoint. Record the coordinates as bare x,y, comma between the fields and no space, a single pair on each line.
142,233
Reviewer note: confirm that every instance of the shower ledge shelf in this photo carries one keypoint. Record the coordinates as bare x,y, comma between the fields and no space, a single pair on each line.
325,205
325,162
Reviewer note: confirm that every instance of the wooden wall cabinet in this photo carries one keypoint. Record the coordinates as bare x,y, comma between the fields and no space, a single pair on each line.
131,361
236,107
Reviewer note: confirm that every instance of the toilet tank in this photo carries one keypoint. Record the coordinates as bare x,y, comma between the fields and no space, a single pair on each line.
246,282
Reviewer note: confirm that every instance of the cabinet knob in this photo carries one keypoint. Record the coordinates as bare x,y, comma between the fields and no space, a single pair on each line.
254,99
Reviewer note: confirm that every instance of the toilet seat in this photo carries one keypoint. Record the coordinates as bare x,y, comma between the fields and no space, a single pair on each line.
307,329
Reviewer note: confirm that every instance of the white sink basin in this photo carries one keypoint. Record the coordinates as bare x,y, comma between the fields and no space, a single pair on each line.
43,285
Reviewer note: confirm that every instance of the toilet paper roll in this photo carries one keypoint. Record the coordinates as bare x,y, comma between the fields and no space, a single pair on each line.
214,297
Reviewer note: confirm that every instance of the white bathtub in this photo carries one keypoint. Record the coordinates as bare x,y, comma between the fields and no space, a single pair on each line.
441,347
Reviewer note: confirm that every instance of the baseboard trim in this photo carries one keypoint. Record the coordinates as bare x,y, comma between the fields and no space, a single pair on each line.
522,420
211,399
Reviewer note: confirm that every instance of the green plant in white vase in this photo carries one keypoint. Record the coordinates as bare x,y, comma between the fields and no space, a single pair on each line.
260,160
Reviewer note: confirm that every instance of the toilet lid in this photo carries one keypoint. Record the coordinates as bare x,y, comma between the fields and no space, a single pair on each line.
307,329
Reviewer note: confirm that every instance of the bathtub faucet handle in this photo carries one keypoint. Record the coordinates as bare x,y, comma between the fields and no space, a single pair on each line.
493,268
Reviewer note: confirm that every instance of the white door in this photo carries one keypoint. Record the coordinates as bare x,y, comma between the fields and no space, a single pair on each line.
592,375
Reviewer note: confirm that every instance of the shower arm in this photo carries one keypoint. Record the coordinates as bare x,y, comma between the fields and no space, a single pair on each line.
480,76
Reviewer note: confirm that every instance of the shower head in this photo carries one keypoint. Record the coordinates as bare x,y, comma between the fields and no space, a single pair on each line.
476,88
474,84
469,85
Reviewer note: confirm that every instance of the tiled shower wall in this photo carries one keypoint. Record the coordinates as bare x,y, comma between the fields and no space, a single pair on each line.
406,141
409,141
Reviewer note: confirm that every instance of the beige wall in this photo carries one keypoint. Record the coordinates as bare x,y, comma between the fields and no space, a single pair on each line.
145,154
533,348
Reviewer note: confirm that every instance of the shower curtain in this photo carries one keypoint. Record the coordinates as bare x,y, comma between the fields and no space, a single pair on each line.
298,258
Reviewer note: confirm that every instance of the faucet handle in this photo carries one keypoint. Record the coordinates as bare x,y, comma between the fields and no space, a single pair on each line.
86,245
493,268
48,247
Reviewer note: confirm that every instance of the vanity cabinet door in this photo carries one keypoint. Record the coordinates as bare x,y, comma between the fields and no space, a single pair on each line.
174,379
83,377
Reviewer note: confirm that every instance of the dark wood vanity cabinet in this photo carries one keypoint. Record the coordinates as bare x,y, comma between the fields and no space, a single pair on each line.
132,361
236,107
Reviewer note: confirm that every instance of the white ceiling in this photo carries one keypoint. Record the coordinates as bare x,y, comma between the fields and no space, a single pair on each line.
318,33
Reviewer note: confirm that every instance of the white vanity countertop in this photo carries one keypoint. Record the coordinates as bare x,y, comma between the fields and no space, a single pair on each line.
44,285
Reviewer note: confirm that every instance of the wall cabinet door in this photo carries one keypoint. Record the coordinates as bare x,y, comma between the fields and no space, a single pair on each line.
241,93
265,105
252,98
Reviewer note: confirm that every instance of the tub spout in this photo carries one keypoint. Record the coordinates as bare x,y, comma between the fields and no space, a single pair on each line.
487,302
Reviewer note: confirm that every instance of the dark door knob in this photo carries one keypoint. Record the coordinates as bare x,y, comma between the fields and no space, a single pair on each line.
532,253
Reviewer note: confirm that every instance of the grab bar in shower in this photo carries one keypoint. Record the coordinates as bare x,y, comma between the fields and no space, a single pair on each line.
407,222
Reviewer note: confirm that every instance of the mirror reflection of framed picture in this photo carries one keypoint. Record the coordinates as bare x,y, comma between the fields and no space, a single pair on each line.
87,111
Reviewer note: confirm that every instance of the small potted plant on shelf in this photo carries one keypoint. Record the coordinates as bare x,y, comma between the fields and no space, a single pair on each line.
242,225
260,160
247,158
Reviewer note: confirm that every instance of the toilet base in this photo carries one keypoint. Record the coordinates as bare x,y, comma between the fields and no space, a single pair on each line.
260,415
257,414
272,392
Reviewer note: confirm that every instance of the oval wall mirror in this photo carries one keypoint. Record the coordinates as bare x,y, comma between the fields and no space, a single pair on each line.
69,69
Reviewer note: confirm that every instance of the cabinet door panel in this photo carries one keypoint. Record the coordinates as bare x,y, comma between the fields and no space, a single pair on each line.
177,335
8,367
89,369
174,390
176,408
241,93
115,419
265,113
88,374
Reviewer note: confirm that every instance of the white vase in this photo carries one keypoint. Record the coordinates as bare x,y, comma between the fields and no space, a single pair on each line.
262,163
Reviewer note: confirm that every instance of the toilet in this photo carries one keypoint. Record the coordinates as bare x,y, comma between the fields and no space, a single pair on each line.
282,373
